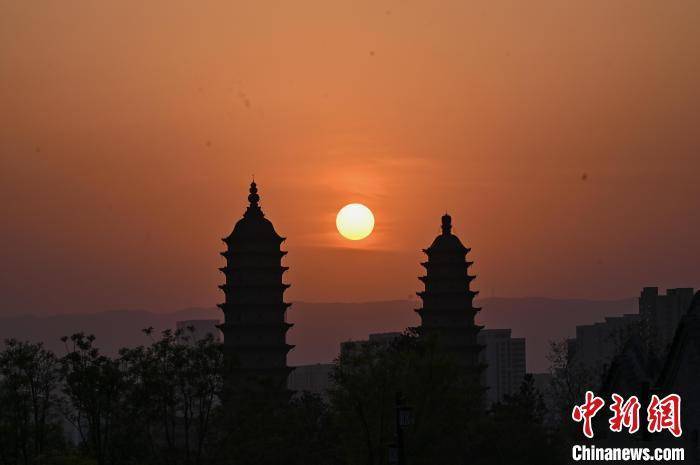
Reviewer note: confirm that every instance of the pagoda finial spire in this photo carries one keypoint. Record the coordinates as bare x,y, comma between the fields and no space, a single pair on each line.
446,224
253,197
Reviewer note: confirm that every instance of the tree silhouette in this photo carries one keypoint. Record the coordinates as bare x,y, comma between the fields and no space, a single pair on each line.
517,424
29,426
173,387
94,396
446,406
159,404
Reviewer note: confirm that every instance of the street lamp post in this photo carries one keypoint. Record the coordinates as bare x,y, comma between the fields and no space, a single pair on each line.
404,418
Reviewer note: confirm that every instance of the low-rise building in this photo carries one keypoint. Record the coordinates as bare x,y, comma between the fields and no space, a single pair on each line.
315,379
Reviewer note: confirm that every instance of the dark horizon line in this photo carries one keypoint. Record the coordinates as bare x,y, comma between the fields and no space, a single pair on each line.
309,302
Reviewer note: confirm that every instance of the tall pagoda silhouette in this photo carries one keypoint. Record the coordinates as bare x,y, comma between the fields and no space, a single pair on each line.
448,311
254,325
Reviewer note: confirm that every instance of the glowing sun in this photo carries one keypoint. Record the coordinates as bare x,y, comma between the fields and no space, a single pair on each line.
355,221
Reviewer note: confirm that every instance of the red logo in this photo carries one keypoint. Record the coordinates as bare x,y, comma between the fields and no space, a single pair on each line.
587,411
625,414
662,414
665,414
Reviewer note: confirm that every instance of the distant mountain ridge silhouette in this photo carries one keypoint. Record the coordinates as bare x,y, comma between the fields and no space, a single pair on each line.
320,327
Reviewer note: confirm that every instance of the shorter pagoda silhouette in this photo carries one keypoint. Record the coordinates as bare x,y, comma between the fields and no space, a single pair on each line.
448,311
254,325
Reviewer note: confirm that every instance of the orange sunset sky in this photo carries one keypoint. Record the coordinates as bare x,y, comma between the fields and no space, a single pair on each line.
563,137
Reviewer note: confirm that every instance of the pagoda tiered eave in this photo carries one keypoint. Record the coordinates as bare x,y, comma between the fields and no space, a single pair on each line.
229,254
240,286
258,325
447,312
283,306
232,239
427,279
441,265
256,347
447,294
229,269
432,249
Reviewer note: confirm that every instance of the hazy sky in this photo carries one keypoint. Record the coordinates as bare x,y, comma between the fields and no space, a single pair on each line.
562,137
